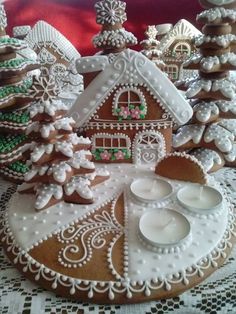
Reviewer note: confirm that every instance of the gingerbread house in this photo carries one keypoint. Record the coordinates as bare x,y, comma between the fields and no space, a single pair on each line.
128,108
55,53
176,46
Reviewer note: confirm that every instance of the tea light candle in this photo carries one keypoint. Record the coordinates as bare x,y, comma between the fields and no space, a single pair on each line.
164,228
199,198
149,189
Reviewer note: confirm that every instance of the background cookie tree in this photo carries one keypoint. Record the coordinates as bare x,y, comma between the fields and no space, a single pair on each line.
112,38
212,93
14,98
60,160
151,47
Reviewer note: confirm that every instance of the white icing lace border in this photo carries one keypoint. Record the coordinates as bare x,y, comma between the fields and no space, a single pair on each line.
125,285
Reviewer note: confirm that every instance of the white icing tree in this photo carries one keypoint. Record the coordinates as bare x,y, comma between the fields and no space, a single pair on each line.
60,161
151,47
112,38
211,134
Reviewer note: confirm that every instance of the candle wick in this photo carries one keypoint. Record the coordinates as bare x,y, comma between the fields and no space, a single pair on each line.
172,219
153,186
200,192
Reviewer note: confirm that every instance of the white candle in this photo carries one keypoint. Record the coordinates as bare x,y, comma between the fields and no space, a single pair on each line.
164,228
200,198
151,189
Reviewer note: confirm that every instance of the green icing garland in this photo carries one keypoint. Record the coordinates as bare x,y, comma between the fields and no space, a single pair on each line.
19,167
11,41
9,142
15,89
14,63
21,118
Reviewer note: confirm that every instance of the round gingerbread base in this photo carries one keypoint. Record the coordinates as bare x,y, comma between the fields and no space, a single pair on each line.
94,252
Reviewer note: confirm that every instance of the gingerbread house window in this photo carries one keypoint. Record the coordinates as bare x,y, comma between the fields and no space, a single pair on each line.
173,71
182,49
111,147
129,103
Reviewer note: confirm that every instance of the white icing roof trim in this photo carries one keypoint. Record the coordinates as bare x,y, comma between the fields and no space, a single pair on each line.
43,32
131,67
182,29
91,64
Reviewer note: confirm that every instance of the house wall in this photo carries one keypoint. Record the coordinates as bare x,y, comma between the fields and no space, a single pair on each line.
171,58
156,120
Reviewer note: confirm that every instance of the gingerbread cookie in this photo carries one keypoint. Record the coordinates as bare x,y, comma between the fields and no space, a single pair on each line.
12,147
13,122
172,165
211,160
227,4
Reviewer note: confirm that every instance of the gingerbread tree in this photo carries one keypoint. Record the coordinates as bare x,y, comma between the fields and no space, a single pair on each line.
210,136
151,47
60,161
112,38
14,98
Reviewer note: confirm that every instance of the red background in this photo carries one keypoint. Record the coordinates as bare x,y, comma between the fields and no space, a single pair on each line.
76,18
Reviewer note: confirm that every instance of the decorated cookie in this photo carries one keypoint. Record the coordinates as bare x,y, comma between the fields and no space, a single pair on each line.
12,147
78,191
15,171
227,4
210,159
172,165
48,195
217,15
12,122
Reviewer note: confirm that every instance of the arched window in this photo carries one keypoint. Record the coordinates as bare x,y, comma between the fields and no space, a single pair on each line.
173,71
129,103
182,49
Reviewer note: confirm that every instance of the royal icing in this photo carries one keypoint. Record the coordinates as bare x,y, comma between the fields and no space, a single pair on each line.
47,107
204,111
188,133
214,14
80,186
59,171
207,157
222,41
222,138
45,193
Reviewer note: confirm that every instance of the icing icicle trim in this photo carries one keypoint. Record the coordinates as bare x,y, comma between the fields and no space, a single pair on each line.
222,138
204,111
114,38
80,186
231,156
208,63
47,107
214,14
79,161
207,157
222,41
59,171
195,86
45,193
188,133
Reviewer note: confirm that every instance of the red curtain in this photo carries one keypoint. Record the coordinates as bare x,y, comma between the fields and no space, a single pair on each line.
77,21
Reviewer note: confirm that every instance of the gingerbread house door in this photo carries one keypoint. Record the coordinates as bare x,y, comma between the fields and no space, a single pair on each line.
148,147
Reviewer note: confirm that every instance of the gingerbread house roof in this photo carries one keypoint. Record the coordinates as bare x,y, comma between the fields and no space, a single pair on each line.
182,30
129,68
43,32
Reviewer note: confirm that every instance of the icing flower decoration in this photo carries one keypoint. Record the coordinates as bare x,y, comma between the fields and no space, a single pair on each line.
119,155
105,155
124,112
135,113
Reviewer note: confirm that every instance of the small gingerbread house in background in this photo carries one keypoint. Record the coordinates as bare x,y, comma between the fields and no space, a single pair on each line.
128,106
176,46
55,53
